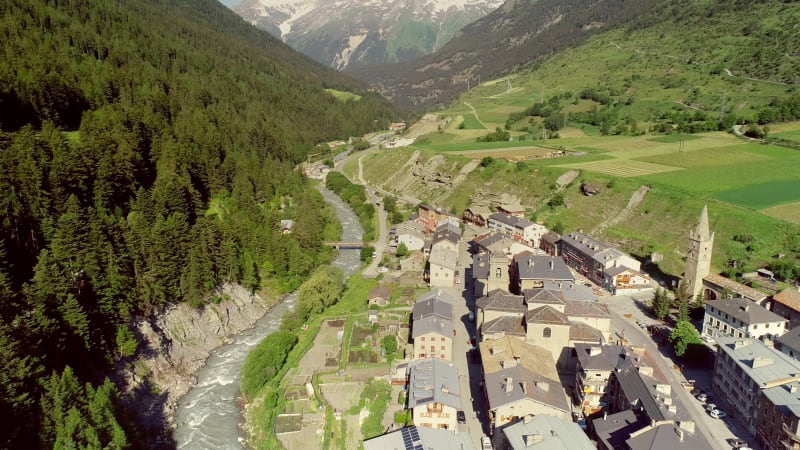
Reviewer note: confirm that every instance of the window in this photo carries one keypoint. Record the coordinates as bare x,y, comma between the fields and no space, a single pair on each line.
546,333
422,338
499,272
442,339
755,327
443,348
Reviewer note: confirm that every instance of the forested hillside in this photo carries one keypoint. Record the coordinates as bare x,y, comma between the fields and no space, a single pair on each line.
147,153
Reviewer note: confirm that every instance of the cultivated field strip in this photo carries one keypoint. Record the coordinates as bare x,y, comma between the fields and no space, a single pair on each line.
624,168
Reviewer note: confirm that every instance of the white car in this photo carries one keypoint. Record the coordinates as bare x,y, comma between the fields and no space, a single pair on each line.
486,443
717,414
710,407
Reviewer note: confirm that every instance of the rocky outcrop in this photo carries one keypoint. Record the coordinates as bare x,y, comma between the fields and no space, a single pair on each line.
174,344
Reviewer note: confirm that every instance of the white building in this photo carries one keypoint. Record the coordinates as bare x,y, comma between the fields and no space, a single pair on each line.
433,394
741,318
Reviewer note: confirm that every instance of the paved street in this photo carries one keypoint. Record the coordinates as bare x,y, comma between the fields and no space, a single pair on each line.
717,431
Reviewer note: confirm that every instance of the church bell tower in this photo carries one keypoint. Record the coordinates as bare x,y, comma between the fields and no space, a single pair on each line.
698,258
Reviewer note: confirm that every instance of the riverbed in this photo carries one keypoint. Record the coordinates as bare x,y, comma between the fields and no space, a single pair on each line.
208,416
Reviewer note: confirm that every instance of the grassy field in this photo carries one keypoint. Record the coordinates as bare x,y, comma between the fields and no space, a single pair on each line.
471,122
343,96
764,195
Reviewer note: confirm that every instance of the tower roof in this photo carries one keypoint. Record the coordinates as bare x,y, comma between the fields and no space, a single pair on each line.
702,232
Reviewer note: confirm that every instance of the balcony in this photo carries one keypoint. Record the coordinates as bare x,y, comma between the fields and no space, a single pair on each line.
792,439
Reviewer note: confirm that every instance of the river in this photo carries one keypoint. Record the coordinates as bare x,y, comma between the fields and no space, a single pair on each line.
208,416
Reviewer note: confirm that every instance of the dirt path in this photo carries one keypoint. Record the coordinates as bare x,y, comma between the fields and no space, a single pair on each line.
476,115
634,201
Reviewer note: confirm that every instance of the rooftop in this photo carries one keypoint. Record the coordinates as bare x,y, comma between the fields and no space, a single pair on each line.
545,432
547,315
744,310
531,267
599,357
480,266
666,436
543,296
571,290
774,372
614,429
494,353
581,332
433,381
429,305
524,384
790,340
789,297
443,257
582,308
420,438
432,324
736,287
478,210
512,221
507,325
500,300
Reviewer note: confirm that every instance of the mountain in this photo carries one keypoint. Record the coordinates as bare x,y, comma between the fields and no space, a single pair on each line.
148,153
518,34
355,33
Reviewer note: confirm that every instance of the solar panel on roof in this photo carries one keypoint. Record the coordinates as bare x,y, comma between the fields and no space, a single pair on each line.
419,447
414,433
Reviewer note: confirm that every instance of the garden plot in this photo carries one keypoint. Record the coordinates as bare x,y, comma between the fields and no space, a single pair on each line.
326,351
364,345
624,168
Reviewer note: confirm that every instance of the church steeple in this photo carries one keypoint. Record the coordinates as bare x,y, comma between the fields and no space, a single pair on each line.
698,258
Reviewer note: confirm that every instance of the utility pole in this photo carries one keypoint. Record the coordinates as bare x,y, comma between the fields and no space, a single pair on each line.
722,105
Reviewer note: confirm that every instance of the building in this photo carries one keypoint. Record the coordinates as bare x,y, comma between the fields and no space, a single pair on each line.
431,217
517,228
433,303
380,296
443,264
593,374
698,257
543,433
592,258
741,318
411,234
433,394
530,271
433,338
514,392
412,438
415,262
500,304
549,243
477,215
514,210
505,352
622,280
492,242
786,303
761,387
612,430
716,287
446,234
789,343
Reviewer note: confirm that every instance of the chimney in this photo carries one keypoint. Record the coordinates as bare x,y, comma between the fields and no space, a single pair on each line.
525,387
532,439
551,264
543,385
528,418
687,425
793,388
509,385
530,261
605,415
680,434
595,350
445,390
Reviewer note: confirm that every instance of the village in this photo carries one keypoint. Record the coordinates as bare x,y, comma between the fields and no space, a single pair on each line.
510,336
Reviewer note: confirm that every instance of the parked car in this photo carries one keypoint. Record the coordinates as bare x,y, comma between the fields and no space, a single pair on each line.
702,397
710,407
737,443
486,443
472,316
461,417
717,414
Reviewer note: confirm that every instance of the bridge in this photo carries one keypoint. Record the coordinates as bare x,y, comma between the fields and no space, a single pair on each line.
338,245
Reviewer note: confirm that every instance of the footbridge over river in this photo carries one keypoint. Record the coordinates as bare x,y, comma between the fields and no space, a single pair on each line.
338,245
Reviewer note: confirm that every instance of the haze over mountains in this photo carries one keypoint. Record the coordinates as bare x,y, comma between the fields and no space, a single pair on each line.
354,33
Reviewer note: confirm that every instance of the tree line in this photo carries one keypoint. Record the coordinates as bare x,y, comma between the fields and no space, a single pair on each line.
147,155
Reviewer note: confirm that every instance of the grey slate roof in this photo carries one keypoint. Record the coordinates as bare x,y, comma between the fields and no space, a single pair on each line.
551,237
665,437
790,340
509,325
443,257
428,438
744,310
433,381
571,290
778,366
538,388
430,304
494,354
546,315
557,434
432,324
513,221
607,359
581,308
614,271
437,294
543,296
581,332
532,267
499,300
480,266
614,429
634,387
448,228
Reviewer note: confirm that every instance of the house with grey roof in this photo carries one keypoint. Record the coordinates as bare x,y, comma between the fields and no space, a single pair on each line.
592,258
514,392
572,290
497,304
594,371
433,338
742,318
623,280
612,430
543,433
789,343
531,271
480,274
506,352
667,435
435,302
517,228
433,393
549,243
411,234
411,438
477,214
786,303
760,386
504,326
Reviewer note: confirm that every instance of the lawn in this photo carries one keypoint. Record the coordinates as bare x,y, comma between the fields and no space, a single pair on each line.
343,96
471,122
763,195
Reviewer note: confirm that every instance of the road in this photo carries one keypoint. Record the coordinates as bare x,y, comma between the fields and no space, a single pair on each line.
717,431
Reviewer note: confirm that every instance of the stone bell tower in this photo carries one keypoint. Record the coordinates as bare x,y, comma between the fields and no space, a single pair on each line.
698,257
